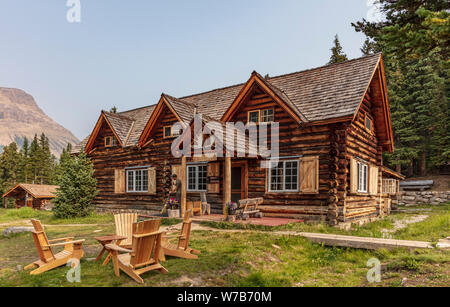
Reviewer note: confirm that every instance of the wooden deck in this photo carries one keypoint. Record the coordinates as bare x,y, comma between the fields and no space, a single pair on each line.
265,221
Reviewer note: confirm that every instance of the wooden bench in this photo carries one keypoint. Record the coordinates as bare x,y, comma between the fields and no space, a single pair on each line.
249,208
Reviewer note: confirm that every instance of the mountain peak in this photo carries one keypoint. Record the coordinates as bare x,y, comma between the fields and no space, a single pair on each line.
20,116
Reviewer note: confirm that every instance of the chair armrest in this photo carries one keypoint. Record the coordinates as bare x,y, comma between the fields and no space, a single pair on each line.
62,239
114,247
66,243
137,236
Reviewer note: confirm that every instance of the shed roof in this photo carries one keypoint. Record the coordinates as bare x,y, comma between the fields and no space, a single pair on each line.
35,190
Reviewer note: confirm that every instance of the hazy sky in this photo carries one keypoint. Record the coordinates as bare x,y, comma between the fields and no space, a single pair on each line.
126,53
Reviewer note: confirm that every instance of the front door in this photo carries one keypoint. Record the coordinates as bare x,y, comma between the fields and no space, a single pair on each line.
238,181
236,184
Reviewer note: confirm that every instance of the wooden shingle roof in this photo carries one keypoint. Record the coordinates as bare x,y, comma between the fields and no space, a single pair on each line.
319,94
35,190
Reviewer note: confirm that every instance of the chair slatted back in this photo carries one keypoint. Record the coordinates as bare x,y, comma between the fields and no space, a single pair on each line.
124,226
146,248
41,241
183,243
203,198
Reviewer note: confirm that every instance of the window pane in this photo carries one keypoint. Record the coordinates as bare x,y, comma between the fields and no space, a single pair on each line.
130,175
192,179
167,131
254,117
267,116
276,177
291,175
202,178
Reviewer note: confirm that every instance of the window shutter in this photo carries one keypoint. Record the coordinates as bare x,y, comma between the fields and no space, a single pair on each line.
353,176
309,175
152,180
373,180
119,181
213,178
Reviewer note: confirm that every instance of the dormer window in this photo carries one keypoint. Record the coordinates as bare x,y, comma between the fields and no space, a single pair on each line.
267,116
261,116
253,116
368,123
168,132
110,141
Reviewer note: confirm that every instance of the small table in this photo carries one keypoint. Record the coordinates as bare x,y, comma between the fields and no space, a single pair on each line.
108,240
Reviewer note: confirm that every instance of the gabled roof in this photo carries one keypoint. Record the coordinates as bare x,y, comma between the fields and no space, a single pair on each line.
35,190
324,94
120,124
273,91
183,109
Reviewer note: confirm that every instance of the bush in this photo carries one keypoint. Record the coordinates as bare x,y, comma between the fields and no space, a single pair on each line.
77,188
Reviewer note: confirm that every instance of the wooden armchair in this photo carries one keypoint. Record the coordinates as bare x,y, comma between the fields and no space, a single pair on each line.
144,254
181,249
206,208
124,227
47,259
194,207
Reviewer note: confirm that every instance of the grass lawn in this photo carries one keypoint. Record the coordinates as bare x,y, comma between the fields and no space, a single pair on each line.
254,258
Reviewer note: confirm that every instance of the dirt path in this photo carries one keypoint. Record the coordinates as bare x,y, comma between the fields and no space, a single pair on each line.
402,224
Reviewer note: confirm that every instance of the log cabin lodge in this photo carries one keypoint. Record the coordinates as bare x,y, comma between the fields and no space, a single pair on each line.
334,124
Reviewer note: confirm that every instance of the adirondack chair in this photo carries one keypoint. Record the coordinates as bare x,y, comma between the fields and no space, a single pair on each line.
181,249
195,207
205,206
124,227
47,259
144,255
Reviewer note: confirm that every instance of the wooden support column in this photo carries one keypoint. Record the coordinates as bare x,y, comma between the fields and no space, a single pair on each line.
226,183
183,185
4,203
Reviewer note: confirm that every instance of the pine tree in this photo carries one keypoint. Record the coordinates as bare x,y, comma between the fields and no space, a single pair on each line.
337,54
414,39
369,47
25,161
77,188
34,159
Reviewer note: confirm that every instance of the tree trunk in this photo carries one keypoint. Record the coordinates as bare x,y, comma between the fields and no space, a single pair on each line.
398,168
411,168
423,164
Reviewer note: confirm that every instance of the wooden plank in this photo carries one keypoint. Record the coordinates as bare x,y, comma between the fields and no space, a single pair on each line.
364,243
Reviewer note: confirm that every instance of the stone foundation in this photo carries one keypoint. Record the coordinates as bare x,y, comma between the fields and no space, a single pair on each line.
423,198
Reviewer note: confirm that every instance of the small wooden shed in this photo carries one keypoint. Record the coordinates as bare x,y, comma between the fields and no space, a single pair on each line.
34,196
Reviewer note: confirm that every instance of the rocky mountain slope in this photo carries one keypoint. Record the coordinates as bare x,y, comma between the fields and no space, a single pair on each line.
20,117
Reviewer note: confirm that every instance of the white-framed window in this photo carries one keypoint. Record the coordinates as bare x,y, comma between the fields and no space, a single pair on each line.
110,141
267,116
137,180
197,178
283,176
363,177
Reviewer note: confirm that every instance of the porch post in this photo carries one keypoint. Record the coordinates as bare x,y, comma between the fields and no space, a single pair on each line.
183,185
227,183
